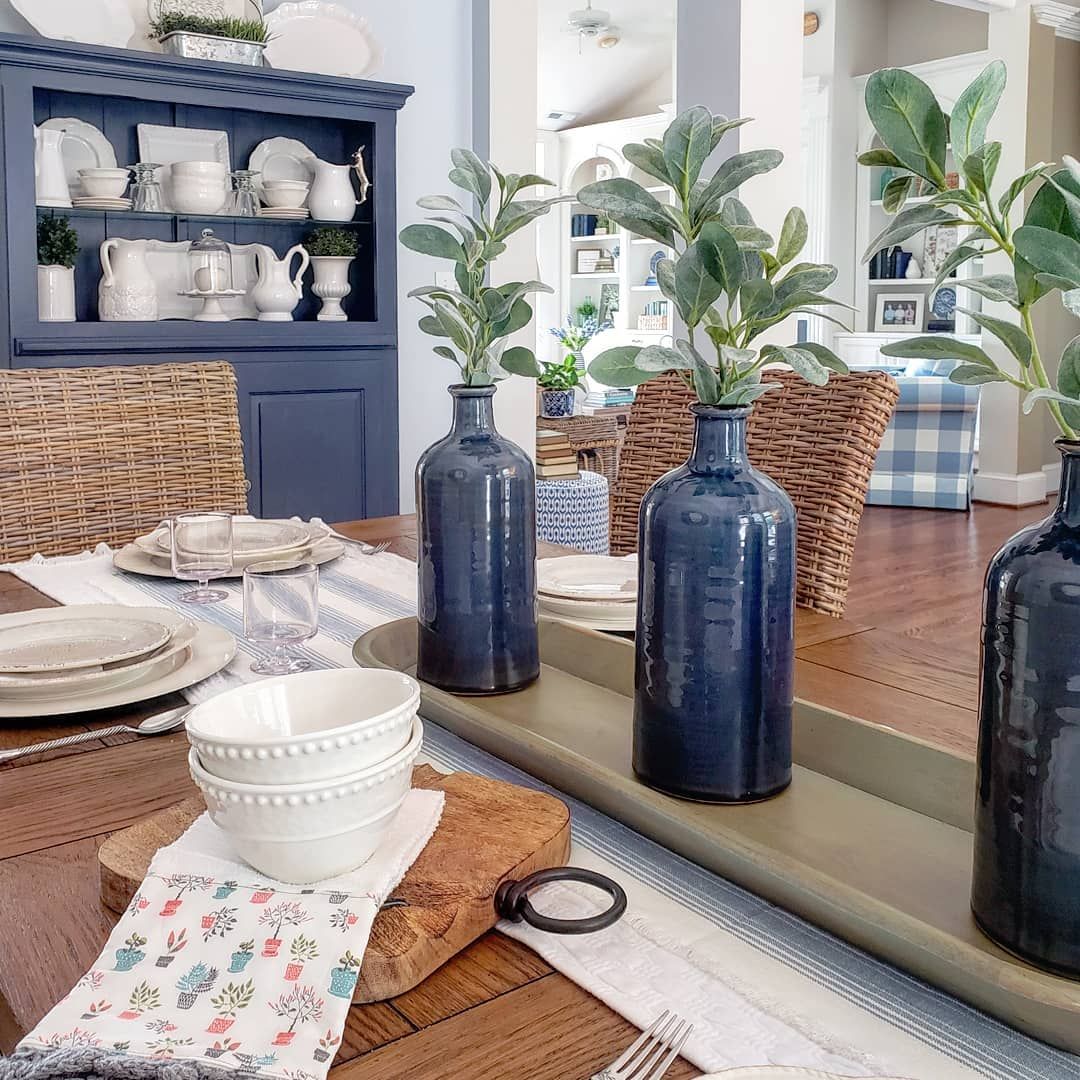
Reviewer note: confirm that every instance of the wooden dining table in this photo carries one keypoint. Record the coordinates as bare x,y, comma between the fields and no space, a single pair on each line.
497,1010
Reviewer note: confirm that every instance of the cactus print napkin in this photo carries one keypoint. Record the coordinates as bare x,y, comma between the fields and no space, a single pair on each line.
213,969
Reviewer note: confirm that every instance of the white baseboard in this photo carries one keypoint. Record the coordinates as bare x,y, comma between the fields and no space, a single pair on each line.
1005,489
1052,472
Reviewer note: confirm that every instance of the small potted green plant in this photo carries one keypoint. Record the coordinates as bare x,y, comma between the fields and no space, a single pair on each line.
332,252
57,249
557,383
201,37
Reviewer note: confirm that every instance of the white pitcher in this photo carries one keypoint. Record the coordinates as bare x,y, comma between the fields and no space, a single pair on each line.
277,292
332,197
127,292
50,177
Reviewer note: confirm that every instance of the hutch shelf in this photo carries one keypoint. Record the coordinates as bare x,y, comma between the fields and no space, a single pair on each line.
318,400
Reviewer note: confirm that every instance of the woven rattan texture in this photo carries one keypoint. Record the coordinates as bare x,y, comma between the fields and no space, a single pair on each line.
818,443
103,454
595,439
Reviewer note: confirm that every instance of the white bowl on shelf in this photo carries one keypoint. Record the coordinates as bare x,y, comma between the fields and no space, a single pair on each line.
285,193
194,195
302,833
207,170
104,183
305,728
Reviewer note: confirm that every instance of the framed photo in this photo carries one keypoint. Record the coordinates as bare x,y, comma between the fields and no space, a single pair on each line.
609,303
899,313
587,258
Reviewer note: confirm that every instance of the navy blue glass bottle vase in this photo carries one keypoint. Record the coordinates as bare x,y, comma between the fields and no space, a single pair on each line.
476,521
1026,881
715,628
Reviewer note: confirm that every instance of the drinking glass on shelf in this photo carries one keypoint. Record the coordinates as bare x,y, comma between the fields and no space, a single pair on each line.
146,191
243,200
281,608
202,549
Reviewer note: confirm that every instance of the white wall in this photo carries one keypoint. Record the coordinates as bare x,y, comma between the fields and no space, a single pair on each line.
11,22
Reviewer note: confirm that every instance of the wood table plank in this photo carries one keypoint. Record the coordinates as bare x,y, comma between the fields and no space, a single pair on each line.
550,1029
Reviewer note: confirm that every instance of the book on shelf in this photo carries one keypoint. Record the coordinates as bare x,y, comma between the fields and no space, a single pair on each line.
557,472
557,459
601,398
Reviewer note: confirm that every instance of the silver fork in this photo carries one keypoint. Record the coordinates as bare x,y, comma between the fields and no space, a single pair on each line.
365,548
652,1052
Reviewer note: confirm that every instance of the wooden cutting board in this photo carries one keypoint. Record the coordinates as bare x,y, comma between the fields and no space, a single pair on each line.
490,831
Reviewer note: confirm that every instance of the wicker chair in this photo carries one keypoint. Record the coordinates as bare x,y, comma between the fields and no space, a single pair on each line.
818,443
103,454
595,440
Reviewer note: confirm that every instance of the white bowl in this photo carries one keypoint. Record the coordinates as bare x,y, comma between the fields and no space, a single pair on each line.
104,183
206,169
283,184
191,195
297,729
274,196
302,833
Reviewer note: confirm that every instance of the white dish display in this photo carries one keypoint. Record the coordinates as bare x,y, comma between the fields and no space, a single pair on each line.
104,183
95,22
282,159
167,145
307,832
82,147
323,38
135,560
87,202
77,641
296,729
300,213
211,649
588,577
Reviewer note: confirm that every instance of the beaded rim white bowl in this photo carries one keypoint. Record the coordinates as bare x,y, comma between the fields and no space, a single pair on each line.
245,734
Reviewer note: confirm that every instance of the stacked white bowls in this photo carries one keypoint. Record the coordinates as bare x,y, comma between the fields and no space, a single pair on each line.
306,772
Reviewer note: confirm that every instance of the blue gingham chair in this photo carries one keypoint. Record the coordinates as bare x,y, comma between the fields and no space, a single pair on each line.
927,456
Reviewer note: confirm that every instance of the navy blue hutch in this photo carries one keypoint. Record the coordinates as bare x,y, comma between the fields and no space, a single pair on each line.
318,400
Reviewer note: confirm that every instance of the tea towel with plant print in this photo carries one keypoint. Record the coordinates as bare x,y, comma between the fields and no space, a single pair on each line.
213,968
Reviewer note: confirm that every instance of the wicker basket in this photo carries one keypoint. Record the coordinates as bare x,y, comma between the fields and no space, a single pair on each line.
102,454
818,443
595,439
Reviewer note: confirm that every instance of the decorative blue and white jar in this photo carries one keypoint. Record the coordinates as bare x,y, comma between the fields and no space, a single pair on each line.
556,403
476,523
715,655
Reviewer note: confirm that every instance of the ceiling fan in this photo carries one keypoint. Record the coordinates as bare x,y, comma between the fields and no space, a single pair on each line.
594,24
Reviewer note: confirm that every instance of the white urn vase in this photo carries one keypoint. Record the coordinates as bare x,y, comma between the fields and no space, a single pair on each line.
56,293
331,285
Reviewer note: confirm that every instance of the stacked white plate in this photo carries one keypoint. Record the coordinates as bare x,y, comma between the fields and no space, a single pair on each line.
595,591
253,541
95,202
285,213
62,660
305,773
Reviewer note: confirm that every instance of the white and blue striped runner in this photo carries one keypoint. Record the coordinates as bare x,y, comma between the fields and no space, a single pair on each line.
763,986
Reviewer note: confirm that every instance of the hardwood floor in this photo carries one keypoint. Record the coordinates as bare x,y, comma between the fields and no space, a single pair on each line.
919,573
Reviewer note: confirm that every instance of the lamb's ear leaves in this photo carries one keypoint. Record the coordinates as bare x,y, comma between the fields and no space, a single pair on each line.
631,206
521,361
972,375
649,160
974,109
907,223
1011,335
800,360
1051,253
938,347
909,120
470,173
824,356
793,236
1068,381
687,143
431,240
616,367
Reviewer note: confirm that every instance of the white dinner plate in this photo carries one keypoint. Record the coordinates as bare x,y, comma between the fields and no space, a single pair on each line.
593,617
588,577
211,649
282,159
72,684
75,639
299,213
323,38
783,1072
136,560
82,147
165,146
96,22
250,538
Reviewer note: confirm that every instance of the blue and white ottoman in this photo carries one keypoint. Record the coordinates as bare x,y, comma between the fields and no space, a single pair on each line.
574,513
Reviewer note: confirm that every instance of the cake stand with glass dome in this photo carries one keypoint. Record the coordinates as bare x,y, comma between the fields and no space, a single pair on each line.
210,263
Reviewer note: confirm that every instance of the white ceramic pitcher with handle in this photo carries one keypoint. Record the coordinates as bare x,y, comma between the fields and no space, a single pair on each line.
277,292
50,177
332,197
127,292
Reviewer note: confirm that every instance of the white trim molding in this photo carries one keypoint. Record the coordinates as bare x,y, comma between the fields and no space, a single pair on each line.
1025,489
1063,17
982,5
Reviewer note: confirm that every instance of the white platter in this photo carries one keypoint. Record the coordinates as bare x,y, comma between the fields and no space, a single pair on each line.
323,38
588,577
76,640
211,649
135,560
162,662
167,145
95,22
281,159
82,147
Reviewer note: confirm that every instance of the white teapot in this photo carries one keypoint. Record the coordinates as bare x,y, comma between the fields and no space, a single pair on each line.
332,197
277,292
127,292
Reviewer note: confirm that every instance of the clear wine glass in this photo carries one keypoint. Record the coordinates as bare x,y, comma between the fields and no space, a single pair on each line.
146,191
281,608
202,549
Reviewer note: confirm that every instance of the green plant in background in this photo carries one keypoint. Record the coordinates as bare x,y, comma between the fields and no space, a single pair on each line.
178,22
332,243
561,376
57,242
477,317
727,277
1044,250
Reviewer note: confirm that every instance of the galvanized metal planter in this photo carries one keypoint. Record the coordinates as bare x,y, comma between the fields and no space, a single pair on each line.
208,47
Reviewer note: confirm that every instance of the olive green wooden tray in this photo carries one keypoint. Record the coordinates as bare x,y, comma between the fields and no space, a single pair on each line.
872,841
